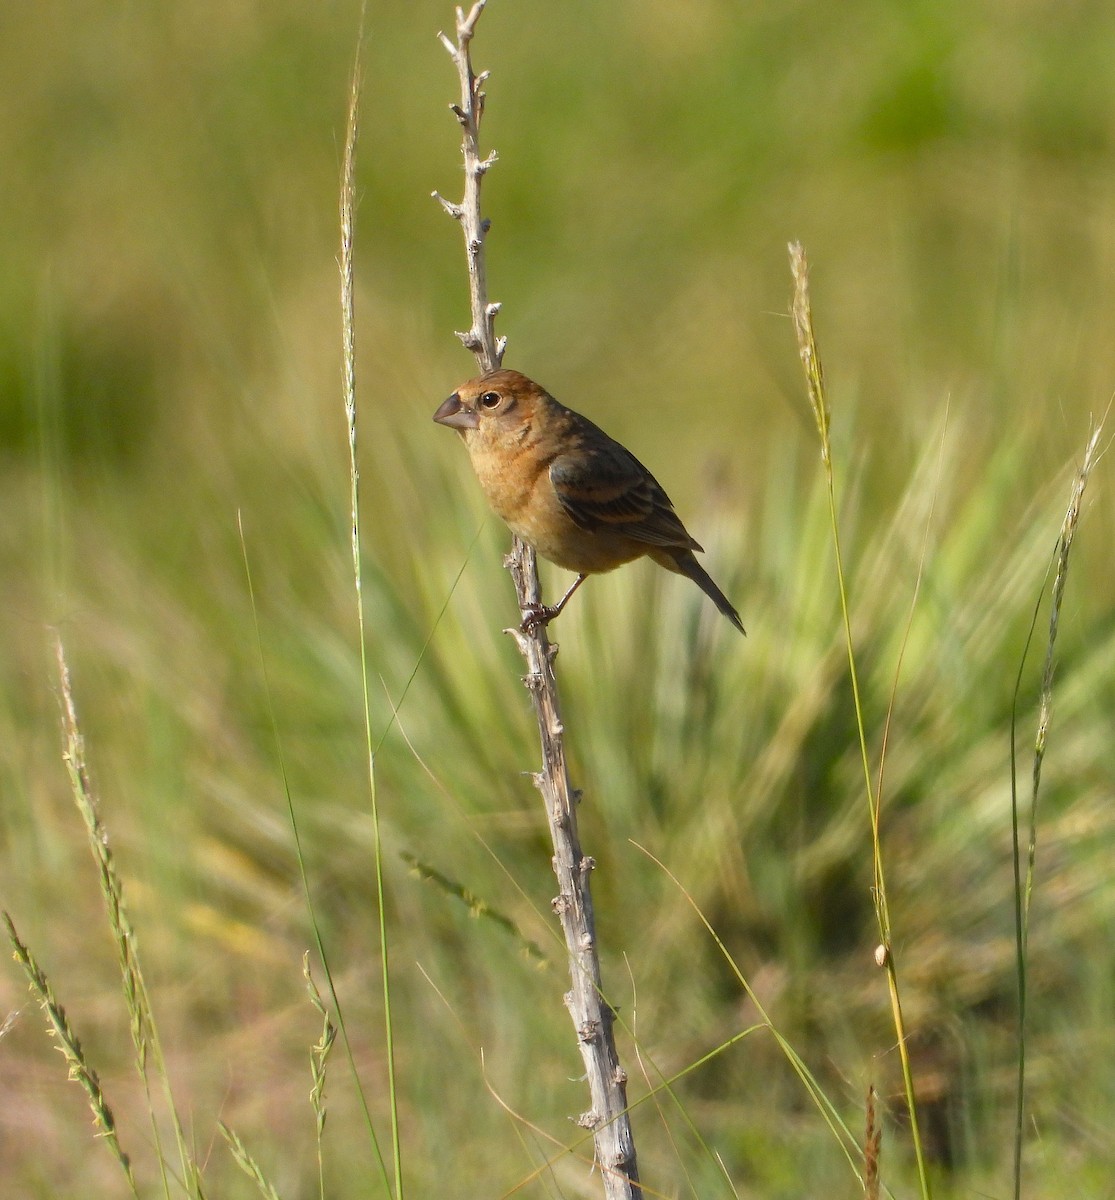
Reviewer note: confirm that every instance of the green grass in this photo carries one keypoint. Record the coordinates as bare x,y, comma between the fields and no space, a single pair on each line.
169,359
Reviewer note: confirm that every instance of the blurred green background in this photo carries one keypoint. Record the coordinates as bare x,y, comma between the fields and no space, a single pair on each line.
169,367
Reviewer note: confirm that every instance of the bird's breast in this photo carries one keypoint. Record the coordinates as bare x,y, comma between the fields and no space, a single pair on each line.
510,479
529,505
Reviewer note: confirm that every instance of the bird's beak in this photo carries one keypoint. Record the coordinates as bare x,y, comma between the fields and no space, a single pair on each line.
454,414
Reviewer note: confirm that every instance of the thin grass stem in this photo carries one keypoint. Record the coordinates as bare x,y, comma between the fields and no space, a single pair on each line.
348,332
815,386
144,1032
1023,888
299,853
844,1136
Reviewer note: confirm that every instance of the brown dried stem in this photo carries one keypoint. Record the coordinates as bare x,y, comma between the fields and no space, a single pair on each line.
481,338
592,1015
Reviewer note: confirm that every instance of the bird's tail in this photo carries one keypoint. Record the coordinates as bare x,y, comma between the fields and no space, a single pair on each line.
686,563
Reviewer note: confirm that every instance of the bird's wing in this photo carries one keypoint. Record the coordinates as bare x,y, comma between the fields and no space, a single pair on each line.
601,485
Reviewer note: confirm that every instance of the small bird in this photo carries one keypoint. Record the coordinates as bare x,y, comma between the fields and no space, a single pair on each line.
583,501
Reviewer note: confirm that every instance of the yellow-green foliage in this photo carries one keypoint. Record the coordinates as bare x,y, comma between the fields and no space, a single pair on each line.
169,364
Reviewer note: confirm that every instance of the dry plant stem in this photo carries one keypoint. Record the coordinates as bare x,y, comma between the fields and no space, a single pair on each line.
592,1016
481,338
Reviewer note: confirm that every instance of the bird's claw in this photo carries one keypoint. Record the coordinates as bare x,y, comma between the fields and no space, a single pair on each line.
536,616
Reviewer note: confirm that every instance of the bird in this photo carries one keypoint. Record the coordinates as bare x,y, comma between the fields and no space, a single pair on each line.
561,484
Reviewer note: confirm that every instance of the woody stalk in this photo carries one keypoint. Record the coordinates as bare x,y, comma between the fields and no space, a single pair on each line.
592,1016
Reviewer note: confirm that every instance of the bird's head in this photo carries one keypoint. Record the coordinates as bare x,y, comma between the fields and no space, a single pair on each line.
491,407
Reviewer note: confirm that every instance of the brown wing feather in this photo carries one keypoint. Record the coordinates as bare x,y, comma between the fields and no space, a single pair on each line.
603,485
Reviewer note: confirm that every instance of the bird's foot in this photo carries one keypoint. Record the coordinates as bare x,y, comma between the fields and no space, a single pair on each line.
536,616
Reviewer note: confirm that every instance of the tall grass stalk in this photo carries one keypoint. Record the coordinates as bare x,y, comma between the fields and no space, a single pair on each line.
320,1051
348,367
1023,888
815,385
145,1037
80,1069
311,908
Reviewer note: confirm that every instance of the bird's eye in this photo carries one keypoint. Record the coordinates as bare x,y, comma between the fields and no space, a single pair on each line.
490,399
